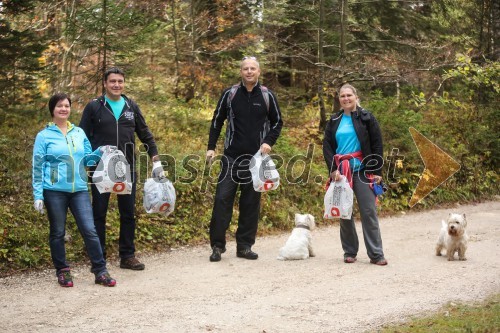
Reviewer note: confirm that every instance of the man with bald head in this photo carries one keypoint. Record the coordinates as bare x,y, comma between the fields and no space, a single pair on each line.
253,123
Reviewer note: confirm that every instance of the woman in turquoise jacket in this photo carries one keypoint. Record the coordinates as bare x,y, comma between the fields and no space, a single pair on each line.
60,155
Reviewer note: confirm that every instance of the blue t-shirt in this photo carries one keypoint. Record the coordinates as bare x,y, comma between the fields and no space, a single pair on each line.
116,106
347,141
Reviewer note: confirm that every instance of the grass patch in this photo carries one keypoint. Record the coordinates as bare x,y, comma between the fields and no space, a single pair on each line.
479,317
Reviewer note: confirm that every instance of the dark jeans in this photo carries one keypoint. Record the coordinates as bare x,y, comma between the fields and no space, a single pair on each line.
126,208
57,204
234,173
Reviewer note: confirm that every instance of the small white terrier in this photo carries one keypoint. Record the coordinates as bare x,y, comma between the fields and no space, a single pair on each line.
453,237
299,244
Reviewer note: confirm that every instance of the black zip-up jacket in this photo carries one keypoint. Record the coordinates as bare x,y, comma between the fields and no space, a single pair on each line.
250,118
102,128
369,135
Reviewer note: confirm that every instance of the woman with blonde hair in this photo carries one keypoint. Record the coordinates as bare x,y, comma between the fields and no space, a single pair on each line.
352,148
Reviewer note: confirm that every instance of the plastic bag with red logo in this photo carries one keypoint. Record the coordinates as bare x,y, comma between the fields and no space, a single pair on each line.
112,174
339,200
265,177
159,196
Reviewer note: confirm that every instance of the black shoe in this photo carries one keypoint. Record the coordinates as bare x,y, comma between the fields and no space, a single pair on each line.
132,263
247,254
216,254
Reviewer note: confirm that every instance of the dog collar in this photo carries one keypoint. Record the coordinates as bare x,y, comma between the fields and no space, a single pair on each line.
303,227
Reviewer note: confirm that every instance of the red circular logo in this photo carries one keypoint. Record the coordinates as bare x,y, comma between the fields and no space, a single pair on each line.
335,211
119,187
268,184
164,207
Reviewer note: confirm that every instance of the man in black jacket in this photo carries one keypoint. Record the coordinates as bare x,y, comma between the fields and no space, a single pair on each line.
112,119
254,122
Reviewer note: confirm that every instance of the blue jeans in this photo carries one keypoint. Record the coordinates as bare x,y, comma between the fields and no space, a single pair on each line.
57,204
126,208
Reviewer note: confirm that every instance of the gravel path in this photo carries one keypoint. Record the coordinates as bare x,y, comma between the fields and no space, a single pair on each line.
181,291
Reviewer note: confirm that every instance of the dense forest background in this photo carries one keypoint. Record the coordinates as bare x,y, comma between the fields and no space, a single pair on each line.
432,65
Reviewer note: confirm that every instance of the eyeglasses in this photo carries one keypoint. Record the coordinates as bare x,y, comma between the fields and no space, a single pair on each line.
251,58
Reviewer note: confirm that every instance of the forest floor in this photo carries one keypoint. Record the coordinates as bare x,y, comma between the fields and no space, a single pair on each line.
181,291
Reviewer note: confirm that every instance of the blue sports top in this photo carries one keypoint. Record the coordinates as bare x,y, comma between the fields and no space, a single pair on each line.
116,106
348,142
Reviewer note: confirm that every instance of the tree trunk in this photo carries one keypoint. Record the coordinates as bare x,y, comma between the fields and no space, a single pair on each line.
343,24
495,14
69,38
398,93
321,60
104,40
342,52
192,82
177,58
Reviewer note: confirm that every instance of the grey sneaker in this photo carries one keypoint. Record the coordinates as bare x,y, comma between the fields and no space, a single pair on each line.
132,263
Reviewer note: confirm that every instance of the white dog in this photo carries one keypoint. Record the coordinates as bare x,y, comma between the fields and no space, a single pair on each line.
453,237
299,244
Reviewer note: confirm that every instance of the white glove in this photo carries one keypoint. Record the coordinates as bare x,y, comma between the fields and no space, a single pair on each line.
107,149
158,170
38,206
265,148
210,156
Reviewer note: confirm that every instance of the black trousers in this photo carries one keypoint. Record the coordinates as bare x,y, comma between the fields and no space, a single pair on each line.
235,173
126,208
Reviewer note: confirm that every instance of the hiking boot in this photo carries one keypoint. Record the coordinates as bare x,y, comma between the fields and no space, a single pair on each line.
216,254
247,254
132,263
105,280
64,278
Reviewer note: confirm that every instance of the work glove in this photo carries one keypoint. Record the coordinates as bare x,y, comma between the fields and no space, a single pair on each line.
107,149
158,170
210,157
39,206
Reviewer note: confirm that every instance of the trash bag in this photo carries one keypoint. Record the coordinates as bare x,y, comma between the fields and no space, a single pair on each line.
265,177
112,174
159,196
339,200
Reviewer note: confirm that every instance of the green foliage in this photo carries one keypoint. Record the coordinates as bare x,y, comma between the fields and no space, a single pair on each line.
20,49
477,76
182,130
479,317
177,78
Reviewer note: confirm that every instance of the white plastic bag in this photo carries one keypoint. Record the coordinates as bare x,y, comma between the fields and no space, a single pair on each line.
159,196
339,200
112,174
265,177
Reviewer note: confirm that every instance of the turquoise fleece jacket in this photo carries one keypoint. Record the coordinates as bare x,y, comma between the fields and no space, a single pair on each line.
59,161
